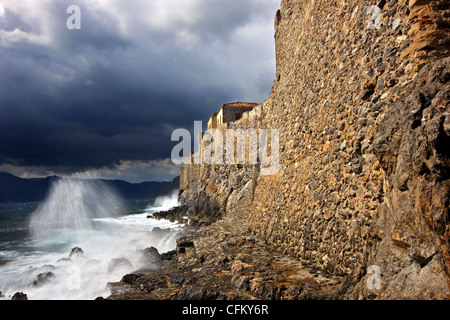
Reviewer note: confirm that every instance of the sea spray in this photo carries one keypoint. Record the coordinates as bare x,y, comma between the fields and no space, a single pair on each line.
167,202
85,214
73,204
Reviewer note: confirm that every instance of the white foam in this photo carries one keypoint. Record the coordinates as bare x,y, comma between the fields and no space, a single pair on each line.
72,204
101,235
168,202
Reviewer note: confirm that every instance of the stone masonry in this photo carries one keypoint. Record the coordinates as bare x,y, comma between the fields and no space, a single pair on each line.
365,171
361,101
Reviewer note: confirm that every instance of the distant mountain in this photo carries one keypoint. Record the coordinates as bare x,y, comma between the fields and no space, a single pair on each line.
165,190
15,189
136,191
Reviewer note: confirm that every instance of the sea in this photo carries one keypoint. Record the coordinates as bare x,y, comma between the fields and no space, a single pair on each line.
76,241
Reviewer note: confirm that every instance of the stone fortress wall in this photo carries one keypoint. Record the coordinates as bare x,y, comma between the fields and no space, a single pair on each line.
361,101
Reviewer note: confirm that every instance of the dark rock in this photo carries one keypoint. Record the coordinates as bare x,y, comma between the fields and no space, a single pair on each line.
185,243
175,214
169,256
267,290
194,293
152,260
151,255
131,278
241,282
203,210
392,82
437,53
376,107
76,252
42,279
381,4
19,296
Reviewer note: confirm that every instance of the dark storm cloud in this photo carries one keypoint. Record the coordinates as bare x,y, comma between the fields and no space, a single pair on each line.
114,91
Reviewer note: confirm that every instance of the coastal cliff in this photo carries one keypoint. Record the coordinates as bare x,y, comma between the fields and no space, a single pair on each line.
361,99
361,102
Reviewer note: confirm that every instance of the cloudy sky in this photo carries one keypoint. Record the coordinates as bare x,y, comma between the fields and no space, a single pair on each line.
106,98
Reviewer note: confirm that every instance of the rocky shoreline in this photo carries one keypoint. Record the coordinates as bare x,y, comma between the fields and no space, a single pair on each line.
223,260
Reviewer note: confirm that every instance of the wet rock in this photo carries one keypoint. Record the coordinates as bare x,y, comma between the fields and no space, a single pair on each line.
265,289
241,282
131,278
230,263
194,293
203,210
19,296
176,214
169,256
151,255
76,253
42,279
151,259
